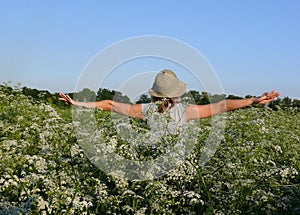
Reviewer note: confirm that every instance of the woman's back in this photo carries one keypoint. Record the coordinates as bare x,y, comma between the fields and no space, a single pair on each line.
169,121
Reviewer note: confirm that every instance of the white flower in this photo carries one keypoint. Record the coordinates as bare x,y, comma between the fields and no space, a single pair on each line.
278,148
141,211
271,162
42,204
284,173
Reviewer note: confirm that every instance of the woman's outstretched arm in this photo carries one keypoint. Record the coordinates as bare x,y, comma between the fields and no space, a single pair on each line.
131,110
203,111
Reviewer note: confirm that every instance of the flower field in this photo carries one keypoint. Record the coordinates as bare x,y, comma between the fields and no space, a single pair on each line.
43,169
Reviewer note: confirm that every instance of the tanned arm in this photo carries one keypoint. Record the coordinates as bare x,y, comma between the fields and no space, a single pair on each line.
131,110
204,111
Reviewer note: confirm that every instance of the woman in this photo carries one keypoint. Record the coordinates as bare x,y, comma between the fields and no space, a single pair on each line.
166,92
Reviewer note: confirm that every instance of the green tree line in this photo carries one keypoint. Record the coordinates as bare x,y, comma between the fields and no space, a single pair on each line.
196,97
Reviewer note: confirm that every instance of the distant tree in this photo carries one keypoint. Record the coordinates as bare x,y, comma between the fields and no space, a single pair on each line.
194,96
205,98
234,97
217,97
34,93
86,95
144,98
106,94
296,103
248,96
6,87
42,95
287,102
119,97
275,104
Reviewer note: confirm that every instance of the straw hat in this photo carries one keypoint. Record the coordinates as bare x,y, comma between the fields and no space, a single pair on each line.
166,84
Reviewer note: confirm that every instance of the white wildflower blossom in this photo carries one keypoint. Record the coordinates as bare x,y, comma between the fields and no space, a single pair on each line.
141,211
285,172
42,204
231,165
278,148
75,150
112,145
271,162
127,208
10,143
128,192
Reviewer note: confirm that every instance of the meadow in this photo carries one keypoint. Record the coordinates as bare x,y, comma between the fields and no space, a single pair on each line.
44,170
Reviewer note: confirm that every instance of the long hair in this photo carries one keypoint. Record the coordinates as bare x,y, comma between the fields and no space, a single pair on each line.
164,103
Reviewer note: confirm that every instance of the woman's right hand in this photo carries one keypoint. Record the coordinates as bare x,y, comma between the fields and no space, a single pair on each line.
66,98
266,97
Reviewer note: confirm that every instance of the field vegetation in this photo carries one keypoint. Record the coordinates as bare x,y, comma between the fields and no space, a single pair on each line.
43,169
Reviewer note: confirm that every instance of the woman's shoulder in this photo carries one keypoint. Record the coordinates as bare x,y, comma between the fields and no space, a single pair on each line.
146,106
180,106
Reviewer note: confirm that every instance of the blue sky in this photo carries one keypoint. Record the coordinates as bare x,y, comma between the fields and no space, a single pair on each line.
253,46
